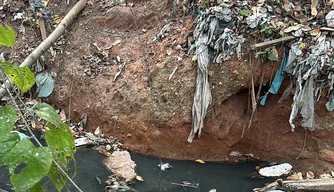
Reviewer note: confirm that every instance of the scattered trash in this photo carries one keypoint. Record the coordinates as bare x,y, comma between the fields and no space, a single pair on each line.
276,170
187,184
235,154
121,186
45,84
200,161
62,116
121,67
98,180
139,178
97,131
309,175
296,176
81,141
41,9
164,166
171,75
118,41
325,176
19,16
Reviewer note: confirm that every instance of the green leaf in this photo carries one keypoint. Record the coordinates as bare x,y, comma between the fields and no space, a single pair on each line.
22,77
37,162
37,188
61,142
6,146
260,52
58,178
245,12
7,36
272,57
268,49
7,120
48,113
28,78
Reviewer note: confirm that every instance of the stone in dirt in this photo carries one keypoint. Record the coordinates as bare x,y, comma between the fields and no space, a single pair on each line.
276,170
121,164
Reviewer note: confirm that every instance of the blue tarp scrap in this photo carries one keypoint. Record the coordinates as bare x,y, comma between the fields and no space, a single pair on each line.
277,82
45,11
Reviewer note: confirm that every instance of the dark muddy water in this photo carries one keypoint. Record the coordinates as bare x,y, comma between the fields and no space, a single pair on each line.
222,177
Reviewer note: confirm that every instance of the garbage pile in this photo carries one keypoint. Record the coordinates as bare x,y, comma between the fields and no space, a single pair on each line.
226,29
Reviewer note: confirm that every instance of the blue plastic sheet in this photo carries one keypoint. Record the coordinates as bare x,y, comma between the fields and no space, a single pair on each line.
277,82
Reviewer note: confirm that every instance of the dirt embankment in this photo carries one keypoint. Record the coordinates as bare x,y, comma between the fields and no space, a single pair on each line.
149,110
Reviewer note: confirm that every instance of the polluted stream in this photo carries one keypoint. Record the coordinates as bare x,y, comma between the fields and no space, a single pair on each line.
219,176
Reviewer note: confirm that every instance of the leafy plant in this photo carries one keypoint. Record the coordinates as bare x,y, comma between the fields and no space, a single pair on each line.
271,53
28,163
7,36
245,12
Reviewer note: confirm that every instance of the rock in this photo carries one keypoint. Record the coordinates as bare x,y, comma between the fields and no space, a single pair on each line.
235,154
121,164
296,176
276,170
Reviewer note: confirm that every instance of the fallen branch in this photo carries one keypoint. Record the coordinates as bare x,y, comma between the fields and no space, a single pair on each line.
46,44
314,185
43,32
273,42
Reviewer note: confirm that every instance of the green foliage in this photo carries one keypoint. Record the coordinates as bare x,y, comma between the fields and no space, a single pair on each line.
22,77
269,54
6,146
37,163
37,188
48,113
272,57
7,121
245,12
7,36
27,163
58,179
63,150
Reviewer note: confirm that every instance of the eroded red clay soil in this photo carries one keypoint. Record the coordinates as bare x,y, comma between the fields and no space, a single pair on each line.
157,120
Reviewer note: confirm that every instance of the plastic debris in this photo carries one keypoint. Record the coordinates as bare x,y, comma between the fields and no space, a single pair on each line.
45,84
330,19
45,11
187,184
164,166
276,170
278,79
139,178
200,161
81,141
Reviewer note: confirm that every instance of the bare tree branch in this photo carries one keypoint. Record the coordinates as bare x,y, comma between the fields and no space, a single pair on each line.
46,44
